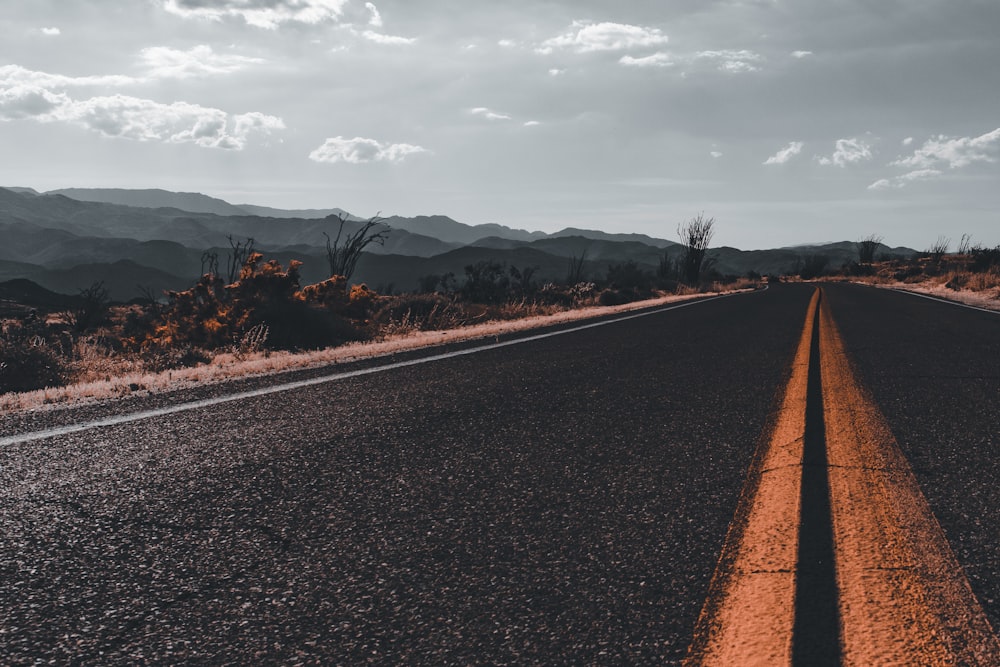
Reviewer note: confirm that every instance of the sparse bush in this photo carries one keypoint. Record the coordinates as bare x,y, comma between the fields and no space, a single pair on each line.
629,276
813,266
984,259
252,341
574,275
696,235
486,282
159,359
91,308
614,297
343,253
211,316
29,357
867,247
939,248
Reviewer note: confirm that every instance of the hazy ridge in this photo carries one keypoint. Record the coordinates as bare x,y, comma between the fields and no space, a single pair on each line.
139,241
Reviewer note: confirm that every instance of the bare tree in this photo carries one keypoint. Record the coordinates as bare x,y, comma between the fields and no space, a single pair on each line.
867,247
90,309
965,245
210,262
939,248
575,274
238,255
343,255
695,235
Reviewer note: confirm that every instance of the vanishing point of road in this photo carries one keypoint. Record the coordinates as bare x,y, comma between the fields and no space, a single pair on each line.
791,476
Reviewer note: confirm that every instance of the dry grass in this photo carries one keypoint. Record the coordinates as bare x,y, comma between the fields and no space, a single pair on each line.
106,377
950,279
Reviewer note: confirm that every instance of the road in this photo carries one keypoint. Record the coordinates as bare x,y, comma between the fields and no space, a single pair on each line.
563,500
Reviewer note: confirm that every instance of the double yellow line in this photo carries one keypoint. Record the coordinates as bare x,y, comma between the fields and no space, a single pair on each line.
890,590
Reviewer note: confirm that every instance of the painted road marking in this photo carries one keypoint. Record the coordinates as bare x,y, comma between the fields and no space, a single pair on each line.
939,299
116,420
901,595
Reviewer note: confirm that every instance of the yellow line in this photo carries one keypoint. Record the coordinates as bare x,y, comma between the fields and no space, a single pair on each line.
748,616
903,597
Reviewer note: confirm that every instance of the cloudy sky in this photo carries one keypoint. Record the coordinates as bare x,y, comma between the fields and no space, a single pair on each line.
789,121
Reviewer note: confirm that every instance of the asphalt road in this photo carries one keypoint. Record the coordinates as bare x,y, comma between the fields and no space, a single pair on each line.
934,371
558,501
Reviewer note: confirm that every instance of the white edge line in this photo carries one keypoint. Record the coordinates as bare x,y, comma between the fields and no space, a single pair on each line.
300,384
940,299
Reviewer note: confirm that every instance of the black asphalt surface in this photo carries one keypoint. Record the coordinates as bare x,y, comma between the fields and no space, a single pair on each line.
561,501
934,371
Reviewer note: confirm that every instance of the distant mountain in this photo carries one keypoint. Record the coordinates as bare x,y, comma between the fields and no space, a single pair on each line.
21,295
444,228
124,279
157,239
604,236
192,202
303,213
403,273
581,246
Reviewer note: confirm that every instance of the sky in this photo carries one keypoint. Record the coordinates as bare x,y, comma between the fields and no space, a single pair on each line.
788,121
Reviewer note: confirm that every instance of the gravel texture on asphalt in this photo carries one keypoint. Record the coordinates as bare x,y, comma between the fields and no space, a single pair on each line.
557,502
934,371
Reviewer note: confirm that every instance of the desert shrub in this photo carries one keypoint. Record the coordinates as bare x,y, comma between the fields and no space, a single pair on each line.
984,259
298,325
907,271
813,266
551,294
159,359
614,297
30,357
417,312
90,310
212,316
485,282
629,276
957,280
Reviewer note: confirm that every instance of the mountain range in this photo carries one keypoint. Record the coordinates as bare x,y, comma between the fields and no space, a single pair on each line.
146,241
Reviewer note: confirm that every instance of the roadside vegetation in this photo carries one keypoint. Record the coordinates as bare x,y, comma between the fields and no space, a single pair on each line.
969,273
249,307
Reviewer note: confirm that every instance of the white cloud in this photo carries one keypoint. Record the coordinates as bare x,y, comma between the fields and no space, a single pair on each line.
716,154
507,43
165,62
585,36
658,59
12,75
488,114
27,101
51,32
942,151
359,150
801,54
786,153
34,95
180,122
260,13
532,123
901,181
375,19
556,72
848,151
379,38
735,62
